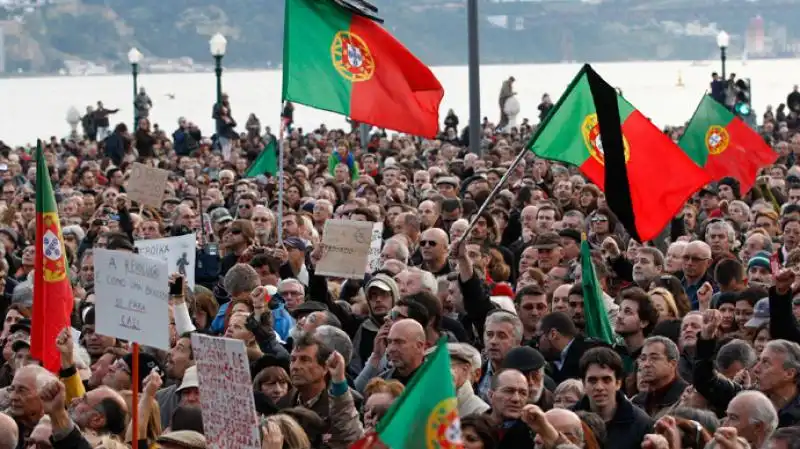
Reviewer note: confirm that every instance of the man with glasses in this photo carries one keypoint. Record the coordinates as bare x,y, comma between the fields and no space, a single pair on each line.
26,408
658,371
433,245
696,262
245,205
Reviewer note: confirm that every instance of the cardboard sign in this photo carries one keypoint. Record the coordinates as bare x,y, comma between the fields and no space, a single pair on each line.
132,297
180,254
375,247
146,185
345,248
226,393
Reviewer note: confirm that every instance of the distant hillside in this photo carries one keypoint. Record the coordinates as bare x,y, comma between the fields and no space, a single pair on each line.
40,39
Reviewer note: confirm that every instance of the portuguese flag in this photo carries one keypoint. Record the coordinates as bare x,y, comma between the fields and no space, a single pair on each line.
265,163
425,414
52,291
645,176
342,62
598,325
724,145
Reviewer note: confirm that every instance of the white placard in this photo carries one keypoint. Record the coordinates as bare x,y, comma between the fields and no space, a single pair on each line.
132,297
374,258
180,254
345,248
226,393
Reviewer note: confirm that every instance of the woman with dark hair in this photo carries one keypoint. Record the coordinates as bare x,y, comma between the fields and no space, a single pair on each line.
477,432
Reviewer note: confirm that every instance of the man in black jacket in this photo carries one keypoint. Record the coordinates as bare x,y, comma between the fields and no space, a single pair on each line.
561,345
602,373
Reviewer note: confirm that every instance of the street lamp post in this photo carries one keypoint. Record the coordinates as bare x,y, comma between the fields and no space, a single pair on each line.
723,39
217,44
134,57
474,77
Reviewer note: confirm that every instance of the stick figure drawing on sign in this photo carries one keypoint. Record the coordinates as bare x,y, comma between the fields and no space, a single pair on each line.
182,263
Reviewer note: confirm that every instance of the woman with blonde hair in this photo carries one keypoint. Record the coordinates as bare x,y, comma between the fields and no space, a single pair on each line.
664,302
293,436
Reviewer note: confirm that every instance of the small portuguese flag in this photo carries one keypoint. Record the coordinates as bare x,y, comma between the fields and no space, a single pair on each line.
645,176
598,325
52,291
425,414
265,163
346,63
724,145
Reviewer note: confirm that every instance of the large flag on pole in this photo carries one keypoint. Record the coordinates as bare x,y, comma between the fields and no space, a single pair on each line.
52,291
346,63
645,176
425,414
595,314
724,145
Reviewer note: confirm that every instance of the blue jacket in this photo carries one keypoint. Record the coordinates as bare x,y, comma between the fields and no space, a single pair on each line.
282,321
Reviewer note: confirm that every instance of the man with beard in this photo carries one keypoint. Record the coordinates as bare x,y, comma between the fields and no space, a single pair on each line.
101,411
691,325
562,345
531,364
179,359
658,370
575,302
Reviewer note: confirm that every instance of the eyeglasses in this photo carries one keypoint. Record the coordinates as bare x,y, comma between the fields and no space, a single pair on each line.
235,231
599,219
430,243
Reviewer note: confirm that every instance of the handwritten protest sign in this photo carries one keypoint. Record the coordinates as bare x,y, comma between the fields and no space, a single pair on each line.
146,185
132,294
374,258
226,393
178,252
345,247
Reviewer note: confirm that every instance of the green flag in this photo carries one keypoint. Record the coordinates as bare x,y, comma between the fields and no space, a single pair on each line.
594,309
267,162
426,414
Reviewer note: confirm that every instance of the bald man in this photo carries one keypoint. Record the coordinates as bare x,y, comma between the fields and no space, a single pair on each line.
405,349
428,213
696,263
433,245
565,422
111,407
9,432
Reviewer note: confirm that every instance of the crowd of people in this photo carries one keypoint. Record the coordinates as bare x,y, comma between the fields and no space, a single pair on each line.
708,348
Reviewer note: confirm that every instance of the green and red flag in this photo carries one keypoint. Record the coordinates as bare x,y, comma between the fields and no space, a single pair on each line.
425,414
724,145
645,176
346,63
52,291
598,326
265,163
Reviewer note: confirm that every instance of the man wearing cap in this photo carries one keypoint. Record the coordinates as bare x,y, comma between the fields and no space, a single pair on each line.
382,293
294,265
448,186
119,374
465,365
759,270
531,364
548,251
189,389
760,317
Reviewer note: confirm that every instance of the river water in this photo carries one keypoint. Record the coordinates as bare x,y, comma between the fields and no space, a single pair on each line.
37,107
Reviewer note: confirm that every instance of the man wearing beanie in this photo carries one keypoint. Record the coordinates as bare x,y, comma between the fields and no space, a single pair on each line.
759,270
729,189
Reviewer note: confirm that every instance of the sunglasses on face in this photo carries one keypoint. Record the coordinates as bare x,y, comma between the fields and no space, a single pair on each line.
430,243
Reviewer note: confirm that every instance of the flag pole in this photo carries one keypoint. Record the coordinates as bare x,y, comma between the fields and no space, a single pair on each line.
135,399
279,220
494,192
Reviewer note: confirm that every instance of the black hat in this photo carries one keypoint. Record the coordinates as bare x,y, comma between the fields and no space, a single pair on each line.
524,359
708,190
547,240
266,361
146,364
570,234
307,308
20,343
21,325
